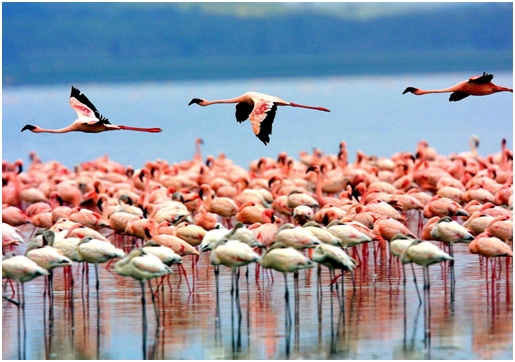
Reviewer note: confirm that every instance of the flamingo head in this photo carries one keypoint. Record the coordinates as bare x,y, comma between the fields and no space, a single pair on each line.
28,127
411,90
198,101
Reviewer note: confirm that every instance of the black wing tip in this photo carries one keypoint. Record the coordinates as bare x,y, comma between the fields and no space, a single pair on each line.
28,127
266,125
75,92
263,139
457,96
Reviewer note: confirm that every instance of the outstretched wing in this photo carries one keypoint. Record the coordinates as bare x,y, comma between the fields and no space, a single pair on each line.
262,117
83,106
482,79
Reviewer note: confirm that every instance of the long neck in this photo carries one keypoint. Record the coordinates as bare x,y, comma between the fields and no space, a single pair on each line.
231,100
69,128
444,90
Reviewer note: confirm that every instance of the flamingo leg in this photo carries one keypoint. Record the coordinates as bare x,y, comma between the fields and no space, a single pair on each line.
414,281
144,319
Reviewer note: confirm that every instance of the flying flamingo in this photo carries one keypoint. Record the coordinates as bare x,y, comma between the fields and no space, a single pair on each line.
259,108
89,119
478,85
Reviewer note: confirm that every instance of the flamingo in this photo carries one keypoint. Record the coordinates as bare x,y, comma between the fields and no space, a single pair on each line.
321,233
142,266
20,269
425,253
259,108
285,259
489,246
398,244
89,119
334,257
97,251
478,85
303,214
450,231
48,257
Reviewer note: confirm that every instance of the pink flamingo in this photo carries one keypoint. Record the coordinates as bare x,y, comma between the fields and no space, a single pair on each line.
259,108
478,85
89,119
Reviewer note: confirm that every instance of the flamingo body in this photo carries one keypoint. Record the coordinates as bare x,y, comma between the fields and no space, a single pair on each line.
489,246
233,253
285,259
333,257
141,266
97,251
21,269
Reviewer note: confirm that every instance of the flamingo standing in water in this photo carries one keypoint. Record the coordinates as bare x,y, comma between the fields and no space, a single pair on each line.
259,108
424,253
478,85
20,269
142,266
89,119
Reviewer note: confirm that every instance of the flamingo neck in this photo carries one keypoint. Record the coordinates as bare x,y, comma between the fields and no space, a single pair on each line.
220,101
428,91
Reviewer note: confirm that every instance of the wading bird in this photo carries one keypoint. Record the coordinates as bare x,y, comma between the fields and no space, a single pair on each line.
89,119
478,85
20,269
142,266
259,108
424,253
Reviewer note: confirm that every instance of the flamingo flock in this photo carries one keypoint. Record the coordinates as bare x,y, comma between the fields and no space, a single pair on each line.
145,220
285,215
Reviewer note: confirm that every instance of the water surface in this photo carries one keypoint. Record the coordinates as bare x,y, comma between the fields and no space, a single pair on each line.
473,321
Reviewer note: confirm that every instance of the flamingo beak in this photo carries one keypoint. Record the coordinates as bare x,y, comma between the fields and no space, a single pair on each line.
195,100
28,127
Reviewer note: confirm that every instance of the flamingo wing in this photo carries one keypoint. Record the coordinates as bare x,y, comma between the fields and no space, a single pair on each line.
482,79
457,96
262,117
83,106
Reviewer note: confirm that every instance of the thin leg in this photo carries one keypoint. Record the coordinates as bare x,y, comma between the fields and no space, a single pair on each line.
414,281
144,322
24,321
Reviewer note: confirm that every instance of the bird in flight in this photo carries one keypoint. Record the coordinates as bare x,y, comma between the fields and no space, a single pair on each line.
478,85
89,119
259,108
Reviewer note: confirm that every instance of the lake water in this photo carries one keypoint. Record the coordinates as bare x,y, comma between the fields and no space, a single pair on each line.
368,112
471,321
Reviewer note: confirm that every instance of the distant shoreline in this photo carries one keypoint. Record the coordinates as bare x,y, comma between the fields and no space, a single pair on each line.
266,67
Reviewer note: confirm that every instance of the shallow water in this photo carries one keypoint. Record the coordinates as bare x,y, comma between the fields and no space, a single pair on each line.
473,321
